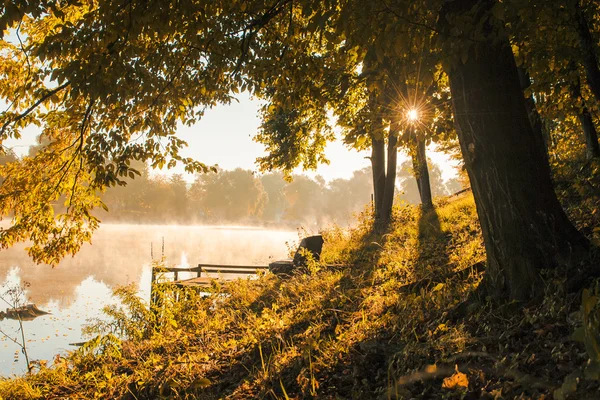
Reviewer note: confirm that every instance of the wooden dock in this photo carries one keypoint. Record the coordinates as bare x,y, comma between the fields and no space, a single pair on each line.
205,274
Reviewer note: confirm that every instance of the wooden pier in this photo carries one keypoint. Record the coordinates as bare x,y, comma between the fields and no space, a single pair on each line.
203,274
206,274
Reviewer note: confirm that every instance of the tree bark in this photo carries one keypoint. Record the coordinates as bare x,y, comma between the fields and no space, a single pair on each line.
591,136
378,168
421,171
534,117
390,177
592,149
524,226
590,62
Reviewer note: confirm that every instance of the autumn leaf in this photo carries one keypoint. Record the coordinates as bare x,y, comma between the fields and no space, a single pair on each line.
201,383
456,381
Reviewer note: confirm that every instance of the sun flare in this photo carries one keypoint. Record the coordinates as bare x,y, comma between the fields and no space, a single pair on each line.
412,114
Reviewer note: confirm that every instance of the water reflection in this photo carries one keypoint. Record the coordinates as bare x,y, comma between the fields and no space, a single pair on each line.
80,287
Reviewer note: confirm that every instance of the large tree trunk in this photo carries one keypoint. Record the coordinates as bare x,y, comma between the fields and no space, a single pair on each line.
524,226
592,149
421,171
390,177
590,62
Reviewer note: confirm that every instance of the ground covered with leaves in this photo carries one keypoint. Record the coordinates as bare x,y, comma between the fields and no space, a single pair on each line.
375,319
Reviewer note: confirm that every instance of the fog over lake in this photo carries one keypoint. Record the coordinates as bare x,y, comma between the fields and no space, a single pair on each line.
80,286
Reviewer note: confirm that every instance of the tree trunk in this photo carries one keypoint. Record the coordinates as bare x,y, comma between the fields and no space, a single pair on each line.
378,168
390,177
524,226
590,62
421,171
592,149
534,117
591,136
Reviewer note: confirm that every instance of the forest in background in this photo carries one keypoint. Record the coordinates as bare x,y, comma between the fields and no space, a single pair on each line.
243,197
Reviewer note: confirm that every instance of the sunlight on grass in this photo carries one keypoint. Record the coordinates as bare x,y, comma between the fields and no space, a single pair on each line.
320,331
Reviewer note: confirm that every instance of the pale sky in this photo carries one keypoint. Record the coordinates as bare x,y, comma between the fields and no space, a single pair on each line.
224,137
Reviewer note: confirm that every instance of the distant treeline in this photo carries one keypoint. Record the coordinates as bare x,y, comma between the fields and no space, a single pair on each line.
243,197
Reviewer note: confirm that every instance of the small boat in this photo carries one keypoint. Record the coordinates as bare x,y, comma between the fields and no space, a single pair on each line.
25,313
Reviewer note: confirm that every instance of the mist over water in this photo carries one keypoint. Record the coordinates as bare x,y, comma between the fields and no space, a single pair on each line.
120,254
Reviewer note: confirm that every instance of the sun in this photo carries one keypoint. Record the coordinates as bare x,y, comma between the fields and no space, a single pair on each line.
412,114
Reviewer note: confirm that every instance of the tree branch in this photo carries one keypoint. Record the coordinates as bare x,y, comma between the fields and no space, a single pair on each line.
33,106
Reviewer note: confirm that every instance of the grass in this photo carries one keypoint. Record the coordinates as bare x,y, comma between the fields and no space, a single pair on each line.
336,332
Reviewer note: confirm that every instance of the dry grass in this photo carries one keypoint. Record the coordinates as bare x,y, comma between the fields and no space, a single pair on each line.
331,332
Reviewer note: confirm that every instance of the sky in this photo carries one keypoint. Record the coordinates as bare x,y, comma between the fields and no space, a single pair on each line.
224,137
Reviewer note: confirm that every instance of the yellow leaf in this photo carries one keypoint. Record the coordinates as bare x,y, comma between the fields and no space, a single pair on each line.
200,383
438,287
456,381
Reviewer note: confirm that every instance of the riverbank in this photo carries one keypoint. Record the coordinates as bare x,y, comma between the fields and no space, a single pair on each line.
382,329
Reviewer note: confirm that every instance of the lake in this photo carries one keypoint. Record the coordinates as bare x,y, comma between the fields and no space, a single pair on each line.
79,287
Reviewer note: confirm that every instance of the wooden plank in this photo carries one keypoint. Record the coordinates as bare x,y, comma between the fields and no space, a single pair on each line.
177,269
231,270
201,281
222,267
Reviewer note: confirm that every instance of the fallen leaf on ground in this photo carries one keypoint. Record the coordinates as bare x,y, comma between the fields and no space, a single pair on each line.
458,380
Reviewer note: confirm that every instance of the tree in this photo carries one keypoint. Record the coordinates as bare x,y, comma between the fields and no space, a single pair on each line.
107,72
228,196
524,227
130,202
588,46
347,196
273,184
97,77
409,190
179,203
304,201
586,121
554,55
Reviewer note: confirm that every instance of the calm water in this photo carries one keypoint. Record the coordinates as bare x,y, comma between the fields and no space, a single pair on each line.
80,287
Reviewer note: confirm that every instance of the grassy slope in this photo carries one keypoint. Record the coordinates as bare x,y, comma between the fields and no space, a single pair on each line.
343,332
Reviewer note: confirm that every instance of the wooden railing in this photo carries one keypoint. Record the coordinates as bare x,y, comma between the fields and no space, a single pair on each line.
210,268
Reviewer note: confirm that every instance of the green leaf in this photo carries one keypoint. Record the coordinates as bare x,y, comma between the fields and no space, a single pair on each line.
579,335
592,370
498,11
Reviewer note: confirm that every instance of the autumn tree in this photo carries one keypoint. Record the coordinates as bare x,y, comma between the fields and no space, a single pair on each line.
555,49
524,226
98,76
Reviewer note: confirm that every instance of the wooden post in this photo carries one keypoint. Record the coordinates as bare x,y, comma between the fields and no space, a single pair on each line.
152,287
372,204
